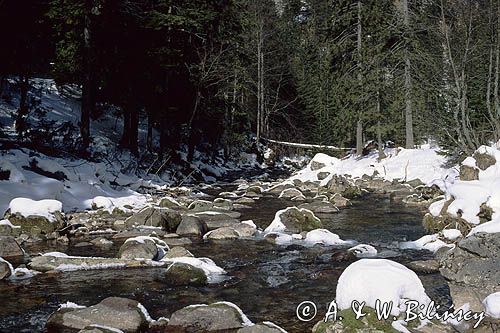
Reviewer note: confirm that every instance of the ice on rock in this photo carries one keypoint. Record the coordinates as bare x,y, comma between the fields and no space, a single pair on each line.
428,242
369,280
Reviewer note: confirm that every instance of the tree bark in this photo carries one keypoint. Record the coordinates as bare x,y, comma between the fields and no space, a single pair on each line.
88,99
23,111
408,84
359,125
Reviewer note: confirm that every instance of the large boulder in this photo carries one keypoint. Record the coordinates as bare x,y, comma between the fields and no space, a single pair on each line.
33,222
9,248
142,247
216,317
347,188
166,218
181,274
176,252
233,232
116,312
474,263
294,220
214,220
221,203
191,226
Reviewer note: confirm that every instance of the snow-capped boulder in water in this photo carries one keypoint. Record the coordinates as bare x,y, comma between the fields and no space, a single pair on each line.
294,220
216,317
182,274
323,237
120,313
363,251
143,247
367,280
43,216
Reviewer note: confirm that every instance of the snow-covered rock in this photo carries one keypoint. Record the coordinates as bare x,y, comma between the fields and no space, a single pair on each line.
363,251
43,208
324,237
492,305
369,280
293,220
428,242
213,272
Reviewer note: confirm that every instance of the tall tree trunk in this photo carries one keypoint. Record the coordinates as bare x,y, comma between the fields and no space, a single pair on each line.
359,124
408,84
134,129
191,141
259,81
88,99
149,138
22,112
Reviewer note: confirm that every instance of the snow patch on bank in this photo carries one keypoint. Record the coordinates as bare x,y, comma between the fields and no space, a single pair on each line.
404,164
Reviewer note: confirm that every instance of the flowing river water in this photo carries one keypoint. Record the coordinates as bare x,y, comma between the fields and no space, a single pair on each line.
266,281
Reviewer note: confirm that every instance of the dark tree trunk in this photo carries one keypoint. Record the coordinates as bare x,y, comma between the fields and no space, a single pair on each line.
88,99
22,112
134,129
149,139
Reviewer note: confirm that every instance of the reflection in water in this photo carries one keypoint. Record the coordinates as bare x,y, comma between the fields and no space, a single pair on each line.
267,281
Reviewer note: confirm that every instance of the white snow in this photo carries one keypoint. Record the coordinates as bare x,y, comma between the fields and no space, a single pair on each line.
112,329
428,242
436,207
273,325
405,164
324,237
451,234
250,223
363,251
492,305
7,223
71,305
27,207
367,280
145,313
213,272
490,227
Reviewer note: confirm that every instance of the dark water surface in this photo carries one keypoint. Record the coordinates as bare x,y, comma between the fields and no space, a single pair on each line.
267,281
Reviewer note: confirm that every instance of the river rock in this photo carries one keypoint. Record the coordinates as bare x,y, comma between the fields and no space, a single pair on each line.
182,274
244,201
216,317
339,201
98,329
468,173
177,241
424,266
295,221
102,242
191,226
47,263
265,327
36,225
225,204
9,248
141,247
320,207
215,220
233,232
278,189
323,175
8,229
474,262
176,252
5,269
116,312
201,205
169,202
166,218
290,193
